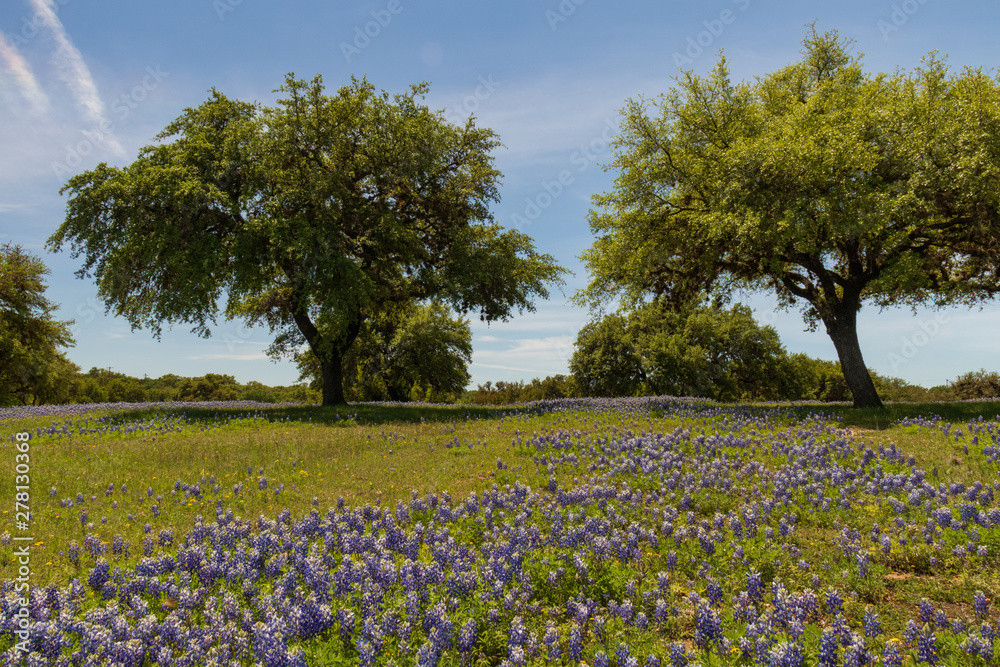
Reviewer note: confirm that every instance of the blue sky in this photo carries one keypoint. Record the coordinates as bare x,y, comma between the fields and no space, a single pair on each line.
84,82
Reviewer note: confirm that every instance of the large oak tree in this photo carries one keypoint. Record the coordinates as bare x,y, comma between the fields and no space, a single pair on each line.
309,216
825,184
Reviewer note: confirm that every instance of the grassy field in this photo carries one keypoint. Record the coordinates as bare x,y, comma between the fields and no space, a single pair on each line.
664,532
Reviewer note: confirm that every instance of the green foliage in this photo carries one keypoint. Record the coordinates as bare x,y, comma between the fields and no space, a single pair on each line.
507,393
311,217
827,185
820,379
703,351
978,384
211,387
32,369
606,362
99,385
419,352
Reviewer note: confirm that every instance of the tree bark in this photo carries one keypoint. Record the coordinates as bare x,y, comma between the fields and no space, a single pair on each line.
332,372
843,330
331,358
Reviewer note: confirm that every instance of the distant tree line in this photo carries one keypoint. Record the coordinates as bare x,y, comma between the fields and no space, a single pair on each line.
99,385
503,393
826,384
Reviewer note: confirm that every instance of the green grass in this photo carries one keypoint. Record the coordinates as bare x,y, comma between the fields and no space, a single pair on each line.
381,454
325,460
873,418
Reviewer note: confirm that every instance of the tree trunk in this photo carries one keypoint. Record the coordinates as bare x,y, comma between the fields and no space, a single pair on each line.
331,357
332,373
843,330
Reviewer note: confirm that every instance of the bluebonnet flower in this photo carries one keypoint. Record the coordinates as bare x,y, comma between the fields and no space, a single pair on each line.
926,611
99,575
663,583
755,586
599,624
872,624
828,648
856,653
366,653
785,654
118,546
714,593
551,641
428,655
927,645
891,656
661,611
708,626
467,637
93,545
980,646
518,633
346,620
834,602
678,655
980,605
575,651
862,561
625,611
841,629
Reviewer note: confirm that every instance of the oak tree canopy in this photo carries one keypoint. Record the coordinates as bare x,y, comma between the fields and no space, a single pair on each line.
309,217
819,182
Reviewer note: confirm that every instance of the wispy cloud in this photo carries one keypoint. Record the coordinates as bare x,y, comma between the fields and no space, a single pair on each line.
538,356
546,118
548,344
512,368
75,73
26,82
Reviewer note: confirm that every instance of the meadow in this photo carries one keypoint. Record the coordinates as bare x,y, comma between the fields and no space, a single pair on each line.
623,532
